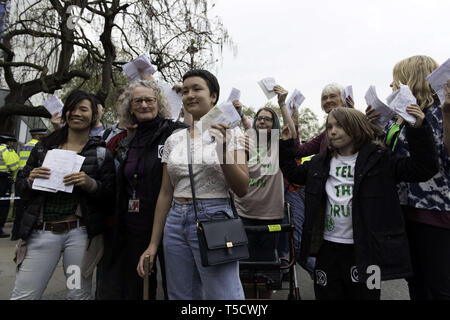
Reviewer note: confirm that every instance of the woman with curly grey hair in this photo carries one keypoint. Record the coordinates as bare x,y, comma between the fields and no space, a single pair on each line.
139,179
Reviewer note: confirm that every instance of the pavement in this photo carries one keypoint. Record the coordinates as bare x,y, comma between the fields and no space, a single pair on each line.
390,290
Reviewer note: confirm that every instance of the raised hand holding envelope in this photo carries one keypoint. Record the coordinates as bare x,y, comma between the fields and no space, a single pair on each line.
234,95
53,105
141,64
347,92
385,113
294,101
266,86
399,100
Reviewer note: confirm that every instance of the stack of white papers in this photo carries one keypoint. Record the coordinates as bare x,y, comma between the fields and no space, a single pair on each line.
53,105
225,113
385,112
294,101
234,95
61,163
267,85
173,98
438,78
399,100
142,62
347,92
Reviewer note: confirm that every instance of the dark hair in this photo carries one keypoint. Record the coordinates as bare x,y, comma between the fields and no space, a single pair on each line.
99,100
58,137
275,122
210,79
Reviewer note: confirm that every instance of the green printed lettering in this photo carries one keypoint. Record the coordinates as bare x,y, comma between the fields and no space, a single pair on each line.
336,210
350,172
337,191
346,190
344,172
337,171
349,210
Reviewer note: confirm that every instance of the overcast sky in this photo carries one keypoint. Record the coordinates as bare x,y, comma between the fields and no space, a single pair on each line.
308,44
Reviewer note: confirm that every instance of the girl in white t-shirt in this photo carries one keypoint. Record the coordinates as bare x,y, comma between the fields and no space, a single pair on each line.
353,221
214,174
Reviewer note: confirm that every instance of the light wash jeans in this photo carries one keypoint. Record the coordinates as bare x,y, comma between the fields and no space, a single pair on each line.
44,249
187,279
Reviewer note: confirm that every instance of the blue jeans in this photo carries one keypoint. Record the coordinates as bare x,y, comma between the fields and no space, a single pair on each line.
187,279
298,218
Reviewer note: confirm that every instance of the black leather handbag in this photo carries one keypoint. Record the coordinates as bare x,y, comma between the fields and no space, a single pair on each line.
220,241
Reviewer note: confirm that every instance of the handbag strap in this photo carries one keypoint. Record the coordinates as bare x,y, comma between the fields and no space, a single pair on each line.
191,174
191,178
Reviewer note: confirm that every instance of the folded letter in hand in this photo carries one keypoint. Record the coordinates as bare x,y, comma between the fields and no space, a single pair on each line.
142,62
295,100
385,112
234,95
53,105
267,85
61,163
347,92
225,113
399,100
438,78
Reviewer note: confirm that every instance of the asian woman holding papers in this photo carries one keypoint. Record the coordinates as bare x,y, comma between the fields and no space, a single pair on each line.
64,223
187,279
353,219
425,205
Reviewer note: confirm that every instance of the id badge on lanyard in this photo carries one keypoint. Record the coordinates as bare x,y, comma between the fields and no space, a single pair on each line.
133,202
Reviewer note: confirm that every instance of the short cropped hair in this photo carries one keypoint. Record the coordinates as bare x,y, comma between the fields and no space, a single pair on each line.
163,107
210,79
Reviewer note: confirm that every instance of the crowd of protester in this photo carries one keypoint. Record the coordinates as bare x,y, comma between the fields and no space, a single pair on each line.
360,195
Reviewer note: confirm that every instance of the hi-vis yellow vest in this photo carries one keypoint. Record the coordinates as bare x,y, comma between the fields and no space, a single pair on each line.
25,151
9,161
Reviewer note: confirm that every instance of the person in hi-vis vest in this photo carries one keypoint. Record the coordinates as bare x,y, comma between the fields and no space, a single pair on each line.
24,154
9,163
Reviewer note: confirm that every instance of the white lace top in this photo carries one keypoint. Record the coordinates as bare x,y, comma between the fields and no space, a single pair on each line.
208,176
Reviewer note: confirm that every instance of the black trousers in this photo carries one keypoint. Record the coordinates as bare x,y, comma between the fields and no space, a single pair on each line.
335,275
5,190
430,258
135,244
19,209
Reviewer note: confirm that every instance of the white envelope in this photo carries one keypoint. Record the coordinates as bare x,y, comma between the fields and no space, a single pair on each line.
267,85
385,112
296,99
347,92
142,62
53,105
399,100
438,78
234,95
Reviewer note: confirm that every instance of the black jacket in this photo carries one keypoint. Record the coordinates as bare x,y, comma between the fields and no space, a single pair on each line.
94,206
378,225
153,168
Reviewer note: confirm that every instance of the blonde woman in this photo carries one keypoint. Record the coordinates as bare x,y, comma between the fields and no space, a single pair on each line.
426,205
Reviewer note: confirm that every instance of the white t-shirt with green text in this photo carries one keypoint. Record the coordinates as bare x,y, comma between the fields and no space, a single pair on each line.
339,188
